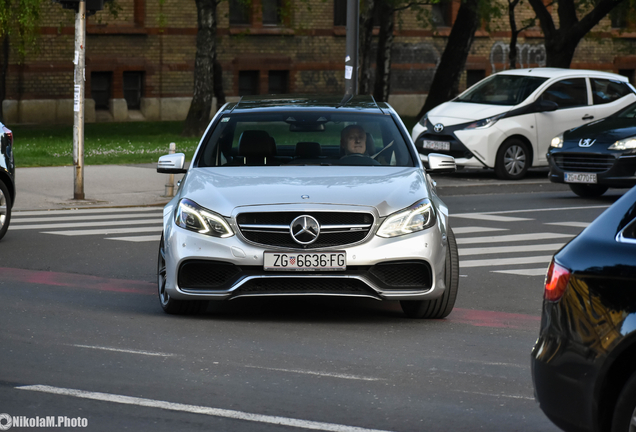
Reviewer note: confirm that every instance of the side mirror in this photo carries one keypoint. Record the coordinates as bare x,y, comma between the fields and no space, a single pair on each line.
172,164
546,105
440,163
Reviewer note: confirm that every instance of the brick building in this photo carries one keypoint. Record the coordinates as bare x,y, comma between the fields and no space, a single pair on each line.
139,66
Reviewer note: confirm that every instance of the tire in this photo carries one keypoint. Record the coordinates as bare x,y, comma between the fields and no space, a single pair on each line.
623,419
170,305
5,209
440,307
588,191
513,160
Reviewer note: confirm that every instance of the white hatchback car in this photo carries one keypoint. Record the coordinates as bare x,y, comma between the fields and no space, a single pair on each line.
507,120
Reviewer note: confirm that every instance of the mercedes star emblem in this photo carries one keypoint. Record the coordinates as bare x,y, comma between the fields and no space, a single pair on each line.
304,229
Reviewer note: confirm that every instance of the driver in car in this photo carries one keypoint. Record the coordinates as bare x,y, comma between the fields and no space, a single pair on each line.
353,140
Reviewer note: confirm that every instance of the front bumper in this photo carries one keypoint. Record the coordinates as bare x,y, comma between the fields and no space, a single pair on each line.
611,170
234,268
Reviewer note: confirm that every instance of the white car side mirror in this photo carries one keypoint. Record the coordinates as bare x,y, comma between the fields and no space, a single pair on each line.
440,163
172,164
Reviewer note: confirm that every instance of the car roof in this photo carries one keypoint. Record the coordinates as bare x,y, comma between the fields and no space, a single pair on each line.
558,72
360,103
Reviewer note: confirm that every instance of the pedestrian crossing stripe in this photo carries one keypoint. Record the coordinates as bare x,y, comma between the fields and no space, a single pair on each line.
524,272
157,221
510,249
138,239
19,214
512,238
476,229
490,217
570,224
81,217
104,231
505,261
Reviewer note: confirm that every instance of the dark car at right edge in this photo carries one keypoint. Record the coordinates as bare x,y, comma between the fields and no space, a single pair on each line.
599,155
584,361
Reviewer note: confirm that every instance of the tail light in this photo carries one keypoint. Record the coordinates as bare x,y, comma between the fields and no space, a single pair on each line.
8,133
556,281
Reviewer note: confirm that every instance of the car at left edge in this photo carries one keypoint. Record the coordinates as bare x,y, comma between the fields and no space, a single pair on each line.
7,178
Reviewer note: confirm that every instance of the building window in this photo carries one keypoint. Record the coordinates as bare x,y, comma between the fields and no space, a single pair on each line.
240,12
248,83
442,14
101,84
473,76
278,82
340,14
272,12
133,82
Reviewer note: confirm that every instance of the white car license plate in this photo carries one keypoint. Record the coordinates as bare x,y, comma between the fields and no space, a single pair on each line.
580,177
306,261
436,145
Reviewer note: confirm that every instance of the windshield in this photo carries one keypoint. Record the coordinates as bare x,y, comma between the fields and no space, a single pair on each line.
629,112
304,138
502,90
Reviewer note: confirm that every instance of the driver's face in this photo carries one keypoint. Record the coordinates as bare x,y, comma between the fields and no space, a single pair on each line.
356,141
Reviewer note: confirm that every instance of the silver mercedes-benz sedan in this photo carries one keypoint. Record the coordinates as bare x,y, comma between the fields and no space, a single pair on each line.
307,196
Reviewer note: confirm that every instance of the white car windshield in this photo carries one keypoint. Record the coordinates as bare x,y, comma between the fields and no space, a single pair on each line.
502,90
304,138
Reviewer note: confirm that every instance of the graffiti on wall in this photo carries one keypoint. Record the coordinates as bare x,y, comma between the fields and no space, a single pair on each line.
526,55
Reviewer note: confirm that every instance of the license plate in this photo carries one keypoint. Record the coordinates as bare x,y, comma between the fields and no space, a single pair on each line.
580,177
436,145
294,261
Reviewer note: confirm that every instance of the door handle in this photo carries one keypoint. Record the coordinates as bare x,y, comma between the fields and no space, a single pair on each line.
587,117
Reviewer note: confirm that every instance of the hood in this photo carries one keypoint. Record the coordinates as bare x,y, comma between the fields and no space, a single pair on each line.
222,189
451,113
606,131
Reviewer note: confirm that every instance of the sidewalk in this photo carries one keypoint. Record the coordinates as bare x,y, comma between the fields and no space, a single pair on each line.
51,188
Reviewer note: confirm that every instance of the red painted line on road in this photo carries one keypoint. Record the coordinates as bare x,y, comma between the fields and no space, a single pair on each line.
482,318
73,280
478,318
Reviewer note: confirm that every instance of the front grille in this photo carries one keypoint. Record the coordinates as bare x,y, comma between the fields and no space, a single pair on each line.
337,228
592,163
303,286
206,274
403,274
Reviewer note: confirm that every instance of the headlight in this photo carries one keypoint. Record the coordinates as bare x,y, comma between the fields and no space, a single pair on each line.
193,217
485,123
624,144
557,142
415,218
424,121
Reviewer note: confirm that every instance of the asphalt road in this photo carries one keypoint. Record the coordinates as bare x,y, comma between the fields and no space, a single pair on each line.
83,335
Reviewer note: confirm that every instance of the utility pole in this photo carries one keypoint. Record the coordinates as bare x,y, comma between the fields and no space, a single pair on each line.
82,8
351,59
78,103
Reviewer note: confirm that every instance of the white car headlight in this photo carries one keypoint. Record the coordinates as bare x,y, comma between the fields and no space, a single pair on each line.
624,144
557,141
485,123
418,217
193,217
424,121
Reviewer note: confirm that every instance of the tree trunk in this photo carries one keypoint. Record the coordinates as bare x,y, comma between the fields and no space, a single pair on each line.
199,113
514,34
445,83
4,68
382,86
366,38
561,43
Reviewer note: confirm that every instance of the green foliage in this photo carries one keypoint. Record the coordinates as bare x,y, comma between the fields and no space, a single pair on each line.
104,143
20,20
